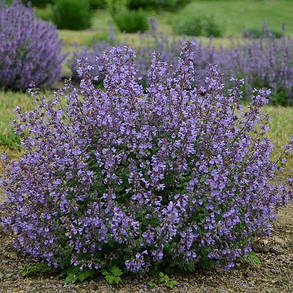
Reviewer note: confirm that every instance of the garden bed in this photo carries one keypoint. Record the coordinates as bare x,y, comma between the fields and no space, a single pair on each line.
274,274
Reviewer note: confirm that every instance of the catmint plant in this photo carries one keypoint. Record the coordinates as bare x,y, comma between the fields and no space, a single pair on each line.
175,175
29,49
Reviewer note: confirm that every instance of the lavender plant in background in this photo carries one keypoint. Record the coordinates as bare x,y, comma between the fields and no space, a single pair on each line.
173,176
93,56
266,62
29,49
263,63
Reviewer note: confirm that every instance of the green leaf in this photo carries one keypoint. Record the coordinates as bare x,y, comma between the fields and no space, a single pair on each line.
116,271
85,275
171,284
164,278
27,270
109,279
71,278
113,279
189,267
117,280
253,258
105,273
151,284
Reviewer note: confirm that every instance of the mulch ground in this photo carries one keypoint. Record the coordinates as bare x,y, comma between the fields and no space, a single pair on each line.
274,274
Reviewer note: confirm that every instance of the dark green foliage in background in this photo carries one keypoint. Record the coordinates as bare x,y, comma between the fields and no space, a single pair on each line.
196,25
157,4
131,21
72,14
38,3
98,4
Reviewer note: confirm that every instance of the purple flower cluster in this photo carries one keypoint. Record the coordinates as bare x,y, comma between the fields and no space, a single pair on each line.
266,62
93,57
175,174
263,63
29,48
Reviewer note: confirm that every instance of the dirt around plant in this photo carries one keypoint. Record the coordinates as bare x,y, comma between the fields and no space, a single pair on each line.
274,274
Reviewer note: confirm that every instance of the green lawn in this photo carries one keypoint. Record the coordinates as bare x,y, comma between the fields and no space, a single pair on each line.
237,15
233,15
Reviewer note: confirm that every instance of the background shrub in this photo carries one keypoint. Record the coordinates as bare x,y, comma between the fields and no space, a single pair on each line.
98,4
190,26
38,3
116,5
211,28
72,14
157,4
194,25
45,14
131,21
175,177
29,49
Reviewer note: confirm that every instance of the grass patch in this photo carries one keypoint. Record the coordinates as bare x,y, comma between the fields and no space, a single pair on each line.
234,16
8,102
237,15
281,128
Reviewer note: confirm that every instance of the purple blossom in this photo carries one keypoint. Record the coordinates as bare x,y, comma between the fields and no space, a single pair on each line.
130,177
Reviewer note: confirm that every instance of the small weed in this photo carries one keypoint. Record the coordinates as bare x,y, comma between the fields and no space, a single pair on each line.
74,274
253,258
114,276
164,280
27,270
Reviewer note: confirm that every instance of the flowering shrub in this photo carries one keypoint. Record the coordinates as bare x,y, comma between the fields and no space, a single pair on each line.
29,49
177,176
262,63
